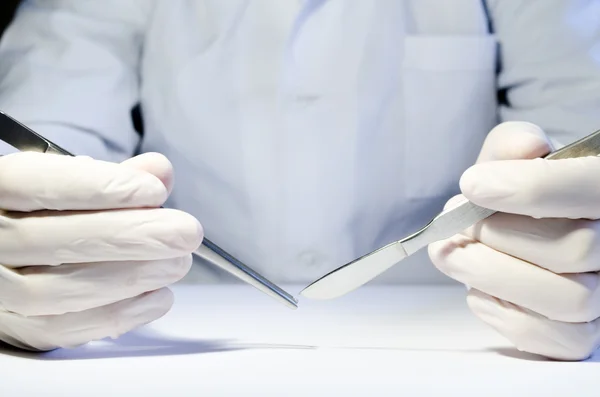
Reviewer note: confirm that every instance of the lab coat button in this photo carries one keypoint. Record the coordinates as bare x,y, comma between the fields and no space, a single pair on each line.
309,259
304,100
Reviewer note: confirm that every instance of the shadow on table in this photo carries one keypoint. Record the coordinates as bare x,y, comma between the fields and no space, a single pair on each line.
144,344
148,343
514,353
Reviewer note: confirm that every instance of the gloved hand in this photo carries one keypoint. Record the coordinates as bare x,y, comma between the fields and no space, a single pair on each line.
85,252
533,268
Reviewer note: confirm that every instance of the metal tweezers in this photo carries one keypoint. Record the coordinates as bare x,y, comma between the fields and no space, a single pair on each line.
23,139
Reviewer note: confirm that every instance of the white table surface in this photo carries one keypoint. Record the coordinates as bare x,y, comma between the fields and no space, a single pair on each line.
234,341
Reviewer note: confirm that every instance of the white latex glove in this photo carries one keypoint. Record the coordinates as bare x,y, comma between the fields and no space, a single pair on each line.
85,252
532,269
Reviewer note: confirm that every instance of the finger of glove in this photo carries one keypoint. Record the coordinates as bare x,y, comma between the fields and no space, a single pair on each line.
155,164
32,181
539,188
534,333
74,329
51,238
560,245
514,140
569,298
506,178
54,290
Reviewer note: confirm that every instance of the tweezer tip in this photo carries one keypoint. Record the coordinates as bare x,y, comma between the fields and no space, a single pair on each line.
293,301
292,304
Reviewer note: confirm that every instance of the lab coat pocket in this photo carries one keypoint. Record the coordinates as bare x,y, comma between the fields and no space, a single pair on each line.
449,96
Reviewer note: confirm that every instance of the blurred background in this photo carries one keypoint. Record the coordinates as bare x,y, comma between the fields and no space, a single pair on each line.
7,9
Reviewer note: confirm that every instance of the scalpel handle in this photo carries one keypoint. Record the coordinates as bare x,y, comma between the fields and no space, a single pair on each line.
465,214
448,223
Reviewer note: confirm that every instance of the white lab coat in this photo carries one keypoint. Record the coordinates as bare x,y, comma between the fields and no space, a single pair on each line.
303,133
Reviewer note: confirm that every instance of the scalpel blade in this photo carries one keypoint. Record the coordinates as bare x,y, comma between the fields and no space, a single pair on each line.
362,270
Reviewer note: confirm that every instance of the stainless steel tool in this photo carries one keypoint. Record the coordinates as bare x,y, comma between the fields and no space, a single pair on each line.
448,223
23,138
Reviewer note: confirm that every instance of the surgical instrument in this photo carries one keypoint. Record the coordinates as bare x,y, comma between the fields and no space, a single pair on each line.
23,138
449,222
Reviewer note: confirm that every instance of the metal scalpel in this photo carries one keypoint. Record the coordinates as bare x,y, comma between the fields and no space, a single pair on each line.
446,224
